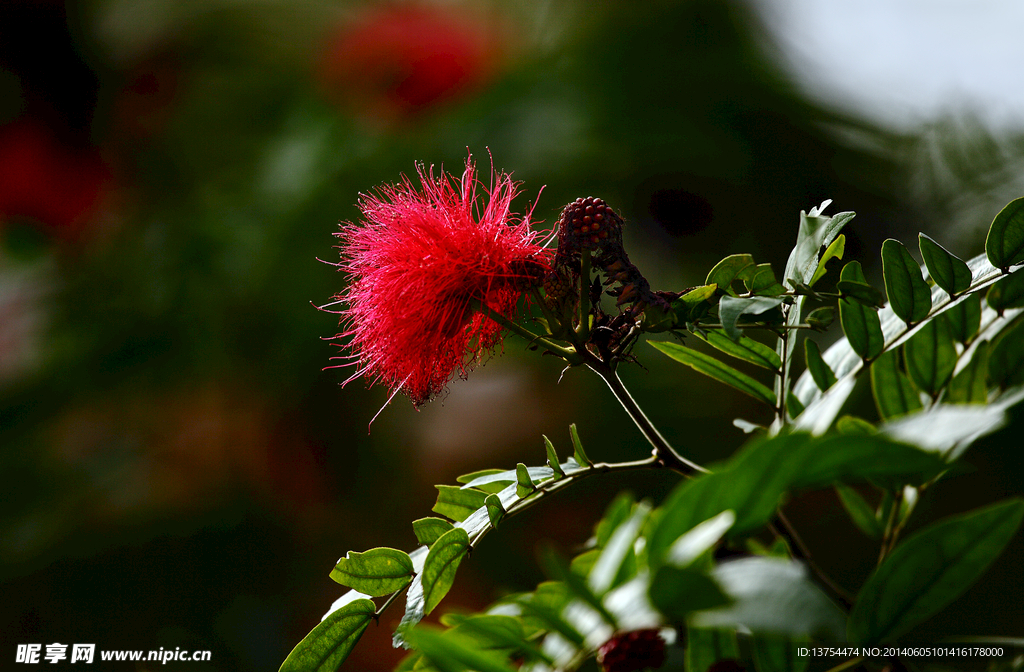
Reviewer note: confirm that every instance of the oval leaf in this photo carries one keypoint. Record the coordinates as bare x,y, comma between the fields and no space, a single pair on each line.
863,329
495,511
894,395
1004,245
730,309
931,569
378,571
931,356
440,566
524,484
457,503
729,269
820,371
908,293
327,646
948,271
861,292
744,348
965,318
724,373
1007,293
429,530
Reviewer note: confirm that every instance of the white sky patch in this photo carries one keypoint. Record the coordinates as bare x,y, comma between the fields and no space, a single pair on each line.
905,61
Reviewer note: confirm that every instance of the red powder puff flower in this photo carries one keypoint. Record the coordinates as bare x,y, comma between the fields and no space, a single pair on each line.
417,263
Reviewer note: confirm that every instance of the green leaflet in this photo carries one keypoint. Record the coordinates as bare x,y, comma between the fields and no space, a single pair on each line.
378,571
949,272
861,292
477,478
429,530
723,373
553,458
327,646
834,251
861,324
970,386
909,295
822,318
931,569
495,511
678,591
694,303
773,653
965,318
559,568
618,511
729,269
815,232
1006,357
762,282
745,348
577,446
456,503
524,484
705,647
440,566
862,515
730,309
820,371
451,651
931,356
1004,245
1007,293
894,395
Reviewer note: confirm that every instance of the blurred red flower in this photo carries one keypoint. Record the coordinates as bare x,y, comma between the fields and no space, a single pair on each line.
46,181
416,264
404,59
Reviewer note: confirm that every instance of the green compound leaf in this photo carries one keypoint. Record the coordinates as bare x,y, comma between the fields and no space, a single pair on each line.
440,566
862,515
965,318
730,309
729,269
577,446
894,395
1007,293
553,464
931,356
834,251
677,592
949,272
970,386
1004,245
931,569
450,651
745,348
327,646
457,503
524,484
495,511
429,530
820,371
379,571
1006,357
723,373
908,293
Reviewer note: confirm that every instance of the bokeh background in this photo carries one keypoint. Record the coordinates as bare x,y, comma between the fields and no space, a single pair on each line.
177,468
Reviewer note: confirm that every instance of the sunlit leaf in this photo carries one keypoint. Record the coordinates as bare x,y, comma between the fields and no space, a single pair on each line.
617,512
604,572
558,568
553,464
820,371
524,484
429,530
694,303
744,348
327,646
929,570
577,446
677,592
949,272
724,373
440,566
815,231
730,309
378,571
822,318
931,356
729,269
763,283
481,481
457,503
833,251
909,295
495,511
450,652
1004,245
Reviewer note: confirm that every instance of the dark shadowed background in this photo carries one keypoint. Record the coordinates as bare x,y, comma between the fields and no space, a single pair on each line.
178,470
